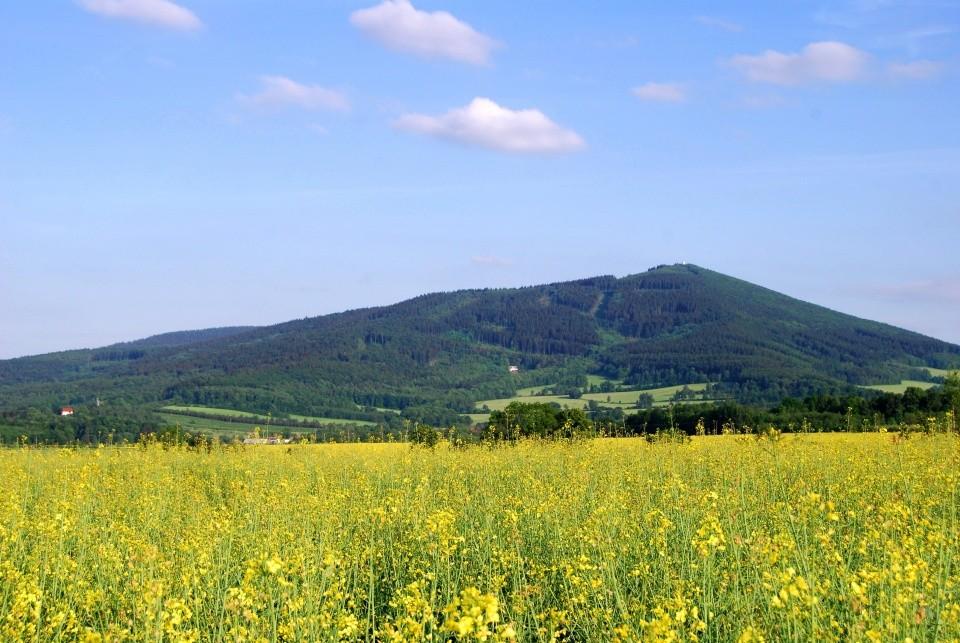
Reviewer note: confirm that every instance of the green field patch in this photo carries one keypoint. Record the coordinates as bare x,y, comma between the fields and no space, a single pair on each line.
934,372
499,405
193,424
901,387
597,380
663,394
533,390
273,421
211,410
625,400
320,420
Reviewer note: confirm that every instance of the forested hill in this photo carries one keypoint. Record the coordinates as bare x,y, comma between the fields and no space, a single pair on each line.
181,338
669,325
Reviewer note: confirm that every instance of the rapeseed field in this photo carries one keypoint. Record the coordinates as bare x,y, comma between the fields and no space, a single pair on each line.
849,537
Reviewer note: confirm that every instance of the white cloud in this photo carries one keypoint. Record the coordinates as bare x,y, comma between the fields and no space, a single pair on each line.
719,23
162,13
398,25
661,92
916,70
487,124
278,91
829,62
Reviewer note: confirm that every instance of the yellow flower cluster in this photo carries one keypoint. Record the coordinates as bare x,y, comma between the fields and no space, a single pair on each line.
721,538
473,616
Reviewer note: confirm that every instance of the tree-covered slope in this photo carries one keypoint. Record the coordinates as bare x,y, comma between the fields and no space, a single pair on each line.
669,325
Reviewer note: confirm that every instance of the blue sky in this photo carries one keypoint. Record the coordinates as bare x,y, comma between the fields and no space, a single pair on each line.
169,166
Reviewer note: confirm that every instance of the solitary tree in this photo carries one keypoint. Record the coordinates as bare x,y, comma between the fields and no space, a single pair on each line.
645,401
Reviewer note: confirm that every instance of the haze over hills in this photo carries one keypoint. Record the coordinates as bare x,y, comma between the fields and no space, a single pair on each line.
444,351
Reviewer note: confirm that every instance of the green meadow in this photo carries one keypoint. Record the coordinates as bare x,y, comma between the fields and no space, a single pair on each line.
620,399
194,424
902,386
202,419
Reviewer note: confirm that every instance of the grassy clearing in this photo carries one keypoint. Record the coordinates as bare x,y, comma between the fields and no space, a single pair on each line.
500,404
813,537
596,380
935,372
660,395
193,424
257,417
213,411
592,380
532,390
622,399
901,387
319,420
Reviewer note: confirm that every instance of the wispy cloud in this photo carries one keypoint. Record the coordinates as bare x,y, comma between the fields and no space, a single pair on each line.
486,124
279,91
400,26
491,261
719,23
915,70
818,62
929,31
661,92
161,13
853,14
916,41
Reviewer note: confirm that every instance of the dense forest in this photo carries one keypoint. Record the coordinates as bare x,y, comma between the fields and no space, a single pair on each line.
434,356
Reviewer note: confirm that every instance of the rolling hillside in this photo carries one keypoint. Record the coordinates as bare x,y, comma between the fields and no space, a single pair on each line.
440,353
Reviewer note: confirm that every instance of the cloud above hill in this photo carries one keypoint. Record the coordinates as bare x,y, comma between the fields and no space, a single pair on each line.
661,92
279,91
915,70
719,23
398,25
818,62
161,13
486,124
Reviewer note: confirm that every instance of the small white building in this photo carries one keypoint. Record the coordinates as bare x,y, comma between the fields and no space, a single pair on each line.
66,410
514,369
